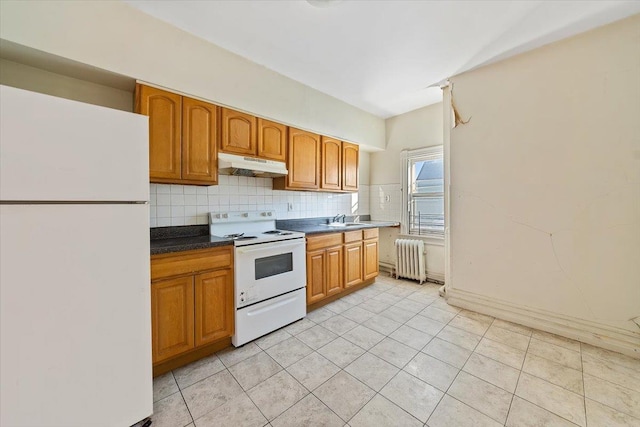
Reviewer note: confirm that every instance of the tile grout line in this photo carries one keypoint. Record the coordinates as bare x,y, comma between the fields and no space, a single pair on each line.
584,391
524,359
184,400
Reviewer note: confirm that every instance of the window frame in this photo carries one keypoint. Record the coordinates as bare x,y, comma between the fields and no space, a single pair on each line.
408,158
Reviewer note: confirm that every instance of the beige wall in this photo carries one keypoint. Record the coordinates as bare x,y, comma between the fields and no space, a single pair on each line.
364,167
37,80
116,37
545,182
416,129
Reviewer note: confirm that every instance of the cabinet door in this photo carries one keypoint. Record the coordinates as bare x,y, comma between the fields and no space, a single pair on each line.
370,258
334,276
171,317
272,140
303,160
350,162
214,306
199,143
164,110
331,164
239,133
316,265
352,264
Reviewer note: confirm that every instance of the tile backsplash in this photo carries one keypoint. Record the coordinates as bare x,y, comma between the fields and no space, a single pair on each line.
386,202
189,204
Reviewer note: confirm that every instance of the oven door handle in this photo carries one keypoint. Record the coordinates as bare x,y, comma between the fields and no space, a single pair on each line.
264,246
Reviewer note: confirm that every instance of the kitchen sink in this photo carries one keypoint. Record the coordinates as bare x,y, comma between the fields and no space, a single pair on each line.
342,224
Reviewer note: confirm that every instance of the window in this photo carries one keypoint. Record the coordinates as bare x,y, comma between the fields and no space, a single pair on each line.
424,192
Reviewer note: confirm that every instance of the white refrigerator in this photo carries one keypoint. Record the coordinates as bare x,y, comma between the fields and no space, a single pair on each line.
75,322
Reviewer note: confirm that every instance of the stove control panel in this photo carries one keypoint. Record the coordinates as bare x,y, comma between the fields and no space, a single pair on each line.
248,295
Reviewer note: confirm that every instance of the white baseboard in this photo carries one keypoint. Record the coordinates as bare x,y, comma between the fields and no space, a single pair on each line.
597,334
438,277
431,276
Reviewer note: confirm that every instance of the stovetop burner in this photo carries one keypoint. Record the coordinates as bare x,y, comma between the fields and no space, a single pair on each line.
278,232
239,236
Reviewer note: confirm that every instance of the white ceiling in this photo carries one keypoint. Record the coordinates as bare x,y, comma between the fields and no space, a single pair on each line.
382,56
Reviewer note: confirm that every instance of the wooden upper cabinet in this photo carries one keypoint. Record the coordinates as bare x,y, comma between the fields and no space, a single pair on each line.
164,110
303,160
272,140
199,141
239,133
172,317
350,164
214,306
331,164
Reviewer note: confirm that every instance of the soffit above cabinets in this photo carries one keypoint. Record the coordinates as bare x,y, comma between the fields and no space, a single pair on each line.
382,56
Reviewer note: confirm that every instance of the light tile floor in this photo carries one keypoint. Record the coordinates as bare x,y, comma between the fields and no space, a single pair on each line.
395,354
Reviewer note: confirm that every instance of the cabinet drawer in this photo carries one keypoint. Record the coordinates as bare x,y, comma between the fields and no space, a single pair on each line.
370,233
352,236
323,241
167,265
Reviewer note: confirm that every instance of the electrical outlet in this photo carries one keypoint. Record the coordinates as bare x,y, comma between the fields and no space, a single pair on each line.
290,206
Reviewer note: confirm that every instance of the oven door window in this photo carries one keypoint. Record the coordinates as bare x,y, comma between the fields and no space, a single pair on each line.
273,265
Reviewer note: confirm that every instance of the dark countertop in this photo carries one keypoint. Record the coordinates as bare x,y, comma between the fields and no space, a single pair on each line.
185,238
317,225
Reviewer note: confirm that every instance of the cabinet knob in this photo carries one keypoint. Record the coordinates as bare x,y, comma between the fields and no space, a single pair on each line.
225,216
246,215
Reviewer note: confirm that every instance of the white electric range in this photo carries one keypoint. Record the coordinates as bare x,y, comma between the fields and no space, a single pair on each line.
269,272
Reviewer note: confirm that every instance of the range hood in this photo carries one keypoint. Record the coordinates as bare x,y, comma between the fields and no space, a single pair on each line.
231,164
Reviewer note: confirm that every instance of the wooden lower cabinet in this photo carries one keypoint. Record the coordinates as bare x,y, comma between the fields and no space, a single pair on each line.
324,273
213,314
192,301
337,261
334,275
316,271
352,264
172,317
370,257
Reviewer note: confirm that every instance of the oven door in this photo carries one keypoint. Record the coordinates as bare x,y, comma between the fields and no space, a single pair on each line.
266,270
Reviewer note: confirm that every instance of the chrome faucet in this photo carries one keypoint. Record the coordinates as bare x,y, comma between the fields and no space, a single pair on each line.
337,218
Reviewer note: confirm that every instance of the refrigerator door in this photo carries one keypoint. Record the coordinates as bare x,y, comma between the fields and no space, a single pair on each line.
54,149
75,321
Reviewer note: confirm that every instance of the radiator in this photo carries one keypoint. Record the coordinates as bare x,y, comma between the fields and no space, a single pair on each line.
410,259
